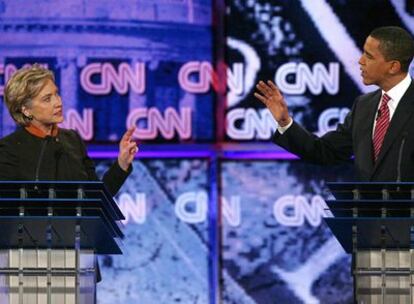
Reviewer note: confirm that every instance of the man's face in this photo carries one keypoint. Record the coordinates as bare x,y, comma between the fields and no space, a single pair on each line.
374,67
46,107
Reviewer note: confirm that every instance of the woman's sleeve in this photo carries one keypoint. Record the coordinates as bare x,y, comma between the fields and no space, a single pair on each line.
8,162
113,178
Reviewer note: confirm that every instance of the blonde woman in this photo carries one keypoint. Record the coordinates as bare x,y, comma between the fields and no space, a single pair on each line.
39,149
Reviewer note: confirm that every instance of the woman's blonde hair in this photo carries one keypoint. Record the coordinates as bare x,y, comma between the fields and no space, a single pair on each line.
22,87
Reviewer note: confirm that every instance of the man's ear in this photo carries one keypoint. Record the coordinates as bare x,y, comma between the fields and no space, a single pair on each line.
395,67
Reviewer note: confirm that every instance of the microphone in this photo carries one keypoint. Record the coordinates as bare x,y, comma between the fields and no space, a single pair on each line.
42,152
400,153
59,150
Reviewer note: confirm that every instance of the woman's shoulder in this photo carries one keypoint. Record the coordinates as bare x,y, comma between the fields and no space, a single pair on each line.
11,146
70,137
68,134
13,138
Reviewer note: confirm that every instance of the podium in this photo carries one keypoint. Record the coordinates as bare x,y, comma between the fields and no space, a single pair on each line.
50,234
375,223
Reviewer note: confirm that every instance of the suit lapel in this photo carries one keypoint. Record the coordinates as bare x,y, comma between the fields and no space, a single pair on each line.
402,114
367,124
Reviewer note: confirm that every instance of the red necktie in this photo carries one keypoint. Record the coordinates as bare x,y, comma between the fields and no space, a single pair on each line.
381,127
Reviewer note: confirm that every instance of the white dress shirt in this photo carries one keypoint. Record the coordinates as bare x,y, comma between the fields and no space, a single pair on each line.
396,93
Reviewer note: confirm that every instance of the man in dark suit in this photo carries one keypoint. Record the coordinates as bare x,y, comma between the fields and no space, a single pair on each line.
379,129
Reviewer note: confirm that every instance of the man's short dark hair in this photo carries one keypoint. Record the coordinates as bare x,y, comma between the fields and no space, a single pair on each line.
395,44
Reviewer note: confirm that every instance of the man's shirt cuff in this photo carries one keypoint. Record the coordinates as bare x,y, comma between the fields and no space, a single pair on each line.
282,130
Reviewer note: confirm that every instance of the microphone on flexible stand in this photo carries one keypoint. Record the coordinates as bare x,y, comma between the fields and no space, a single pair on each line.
46,140
399,162
58,154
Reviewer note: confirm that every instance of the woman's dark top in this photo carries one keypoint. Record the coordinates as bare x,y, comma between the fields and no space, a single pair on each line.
24,156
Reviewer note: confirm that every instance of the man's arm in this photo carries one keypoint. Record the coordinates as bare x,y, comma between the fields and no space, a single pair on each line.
334,147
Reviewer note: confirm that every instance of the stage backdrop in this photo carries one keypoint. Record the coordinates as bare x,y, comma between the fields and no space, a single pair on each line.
214,213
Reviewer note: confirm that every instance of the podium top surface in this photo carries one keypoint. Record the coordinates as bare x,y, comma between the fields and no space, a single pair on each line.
368,185
62,185
65,206
62,189
371,190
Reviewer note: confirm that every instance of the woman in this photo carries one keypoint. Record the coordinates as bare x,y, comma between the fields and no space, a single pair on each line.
39,150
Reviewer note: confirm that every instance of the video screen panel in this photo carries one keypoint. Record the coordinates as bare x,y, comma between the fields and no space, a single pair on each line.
117,65
166,249
310,49
155,64
276,247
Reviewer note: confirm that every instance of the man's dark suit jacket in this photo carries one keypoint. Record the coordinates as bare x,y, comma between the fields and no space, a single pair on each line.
354,138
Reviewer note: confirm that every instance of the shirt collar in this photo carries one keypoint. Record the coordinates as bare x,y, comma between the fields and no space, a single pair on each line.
397,92
40,133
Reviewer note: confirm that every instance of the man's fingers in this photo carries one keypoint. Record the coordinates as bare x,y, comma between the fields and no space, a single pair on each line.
275,89
264,88
260,97
273,86
260,89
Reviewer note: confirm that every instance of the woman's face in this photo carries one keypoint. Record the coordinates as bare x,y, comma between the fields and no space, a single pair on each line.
46,107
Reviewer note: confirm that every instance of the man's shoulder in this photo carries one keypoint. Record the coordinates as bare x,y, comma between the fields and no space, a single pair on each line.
370,95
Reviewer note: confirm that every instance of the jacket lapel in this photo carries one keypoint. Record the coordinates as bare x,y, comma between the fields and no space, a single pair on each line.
367,124
402,114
